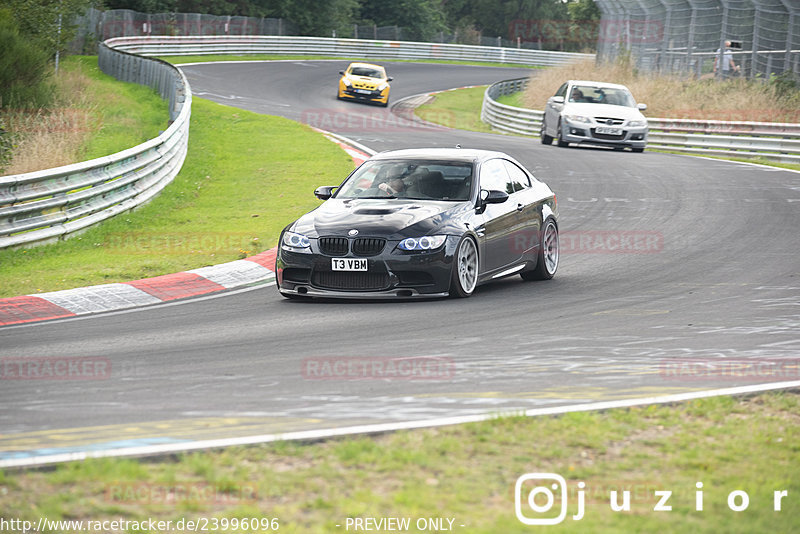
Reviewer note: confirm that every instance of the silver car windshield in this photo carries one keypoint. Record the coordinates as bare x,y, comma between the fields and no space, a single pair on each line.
411,179
601,95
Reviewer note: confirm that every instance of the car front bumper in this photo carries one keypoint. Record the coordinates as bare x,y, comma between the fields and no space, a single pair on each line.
371,96
581,132
390,274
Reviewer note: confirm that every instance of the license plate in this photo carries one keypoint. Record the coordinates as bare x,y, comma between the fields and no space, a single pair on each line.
608,131
363,91
348,264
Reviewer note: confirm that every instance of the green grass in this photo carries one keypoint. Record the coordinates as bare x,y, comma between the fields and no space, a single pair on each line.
178,60
514,99
466,472
456,109
245,177
128,113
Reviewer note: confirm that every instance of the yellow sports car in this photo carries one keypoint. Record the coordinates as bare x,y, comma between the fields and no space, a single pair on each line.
366,82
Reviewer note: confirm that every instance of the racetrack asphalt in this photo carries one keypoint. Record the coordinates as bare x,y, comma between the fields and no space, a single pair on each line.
677,274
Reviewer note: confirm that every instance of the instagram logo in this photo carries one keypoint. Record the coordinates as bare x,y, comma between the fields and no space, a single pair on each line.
538,491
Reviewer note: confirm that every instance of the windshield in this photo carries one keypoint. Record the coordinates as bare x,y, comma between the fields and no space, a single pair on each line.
366,71
601,95
412,179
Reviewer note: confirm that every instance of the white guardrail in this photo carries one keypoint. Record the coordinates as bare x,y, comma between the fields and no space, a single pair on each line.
778,142
325,46
45,206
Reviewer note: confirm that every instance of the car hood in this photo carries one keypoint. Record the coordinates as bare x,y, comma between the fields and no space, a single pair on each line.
603,110
364,82
390,218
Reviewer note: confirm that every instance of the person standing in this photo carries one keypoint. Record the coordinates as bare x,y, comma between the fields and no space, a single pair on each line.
728,66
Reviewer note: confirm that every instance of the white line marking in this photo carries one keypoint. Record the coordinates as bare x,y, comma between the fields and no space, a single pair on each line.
187,300
170,448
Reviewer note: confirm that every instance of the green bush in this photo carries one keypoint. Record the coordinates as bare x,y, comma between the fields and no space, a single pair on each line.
24,68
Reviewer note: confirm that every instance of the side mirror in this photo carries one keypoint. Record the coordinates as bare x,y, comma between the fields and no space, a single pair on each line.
493,197
325,192
641,107
341,72
389,79
557,99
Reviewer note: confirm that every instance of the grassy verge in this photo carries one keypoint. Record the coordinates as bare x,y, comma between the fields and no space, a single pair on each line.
178,60
465,472
94,115
514,99
240,184
456,109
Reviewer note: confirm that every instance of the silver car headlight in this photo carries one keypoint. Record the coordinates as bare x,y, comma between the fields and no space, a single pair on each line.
426,242
346,82
637,124
383,86
577,118
293,240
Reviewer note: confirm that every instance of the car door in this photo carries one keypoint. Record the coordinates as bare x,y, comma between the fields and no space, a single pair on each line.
553,109
500,220
528,205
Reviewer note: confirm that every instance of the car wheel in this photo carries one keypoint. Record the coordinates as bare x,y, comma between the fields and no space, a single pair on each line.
547,260
559,138
464,276
638,149
546,139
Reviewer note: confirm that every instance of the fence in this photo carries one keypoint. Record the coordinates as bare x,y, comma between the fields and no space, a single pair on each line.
45,206
778,142
267,44
685,35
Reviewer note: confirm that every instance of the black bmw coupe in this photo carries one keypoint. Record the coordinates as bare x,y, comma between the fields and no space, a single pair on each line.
422,223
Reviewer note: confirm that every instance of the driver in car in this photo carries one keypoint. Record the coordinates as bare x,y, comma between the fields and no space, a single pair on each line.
577,95
393,187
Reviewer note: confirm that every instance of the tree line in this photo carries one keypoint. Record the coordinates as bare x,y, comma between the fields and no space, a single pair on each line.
34,32
549,21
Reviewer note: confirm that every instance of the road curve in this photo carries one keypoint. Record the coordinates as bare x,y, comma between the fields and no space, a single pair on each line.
677,274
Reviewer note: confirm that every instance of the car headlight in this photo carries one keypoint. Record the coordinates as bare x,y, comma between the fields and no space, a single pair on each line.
346,82
577,118
426,242
383,86
637,124
293,240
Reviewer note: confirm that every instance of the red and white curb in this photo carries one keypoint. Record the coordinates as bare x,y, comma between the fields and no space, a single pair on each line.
118,296
144,292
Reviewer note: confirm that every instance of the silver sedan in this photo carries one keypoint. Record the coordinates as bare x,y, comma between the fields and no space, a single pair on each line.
596,113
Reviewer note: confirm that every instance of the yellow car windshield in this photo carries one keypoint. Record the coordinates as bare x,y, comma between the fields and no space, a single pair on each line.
365,71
